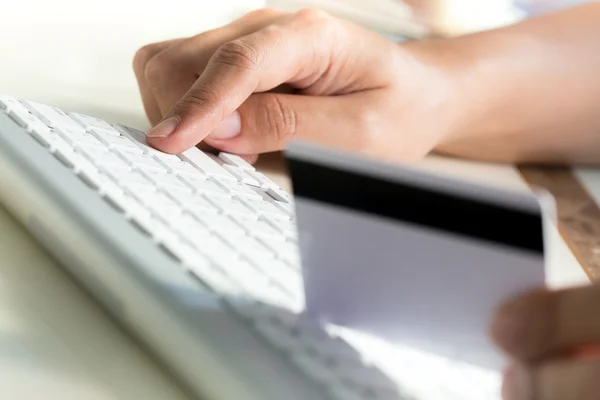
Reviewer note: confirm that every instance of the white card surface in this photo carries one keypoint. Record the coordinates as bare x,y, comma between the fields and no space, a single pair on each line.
431,278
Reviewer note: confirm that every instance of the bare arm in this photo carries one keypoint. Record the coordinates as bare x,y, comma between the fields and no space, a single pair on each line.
531,91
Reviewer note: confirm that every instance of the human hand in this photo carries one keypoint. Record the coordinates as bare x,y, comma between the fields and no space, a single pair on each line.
554,338
252,86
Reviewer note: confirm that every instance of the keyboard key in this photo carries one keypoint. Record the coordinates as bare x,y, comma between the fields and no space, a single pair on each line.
286,207
169,182
275,296
43,135
252,282
159,155
89,174
160,202
206,164
182,168
22,117
118,198
168,214
279,195
219,223
230,206
176,193
140,192
257,227
262,179
135,135
76,136
284,276
191,228
185,253
97,155
142,162
242,176
198,202
251,249
214,278
203,186
90,123
247,276
6,102
237,188
119,143
251,181
236,161
63,153
289,253
52,116
217,251
139,139
281,247
294,287
162,232
287,227
142,219
115,172
135,178
265,207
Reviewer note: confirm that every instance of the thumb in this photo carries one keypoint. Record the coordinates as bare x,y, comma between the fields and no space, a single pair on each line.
267,122
188,123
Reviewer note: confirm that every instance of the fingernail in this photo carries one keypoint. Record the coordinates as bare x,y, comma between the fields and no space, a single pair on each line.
517,384
165,128
228,128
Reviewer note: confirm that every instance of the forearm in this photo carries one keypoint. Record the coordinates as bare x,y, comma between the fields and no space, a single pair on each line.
529,92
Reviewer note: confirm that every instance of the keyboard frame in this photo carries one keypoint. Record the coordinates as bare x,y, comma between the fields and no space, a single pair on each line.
212,353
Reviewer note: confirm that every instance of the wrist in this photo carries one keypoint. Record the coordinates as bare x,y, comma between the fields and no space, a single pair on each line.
487,74
441,72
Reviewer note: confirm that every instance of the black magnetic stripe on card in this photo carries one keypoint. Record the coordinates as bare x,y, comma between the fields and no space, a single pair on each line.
417,205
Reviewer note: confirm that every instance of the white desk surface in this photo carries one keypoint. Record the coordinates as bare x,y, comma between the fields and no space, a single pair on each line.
55,341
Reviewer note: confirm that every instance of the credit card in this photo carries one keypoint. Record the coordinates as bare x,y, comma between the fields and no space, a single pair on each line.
411,257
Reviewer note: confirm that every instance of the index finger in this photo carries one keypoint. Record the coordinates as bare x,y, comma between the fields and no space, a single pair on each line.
295,52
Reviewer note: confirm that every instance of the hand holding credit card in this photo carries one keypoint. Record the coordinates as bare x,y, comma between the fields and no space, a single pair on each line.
411,257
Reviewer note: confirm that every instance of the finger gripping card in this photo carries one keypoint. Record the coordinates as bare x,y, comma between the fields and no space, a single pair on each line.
411,257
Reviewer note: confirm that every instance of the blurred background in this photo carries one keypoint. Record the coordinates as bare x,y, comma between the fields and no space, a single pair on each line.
77,53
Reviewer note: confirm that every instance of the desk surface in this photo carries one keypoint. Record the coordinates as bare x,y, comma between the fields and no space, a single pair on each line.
55,341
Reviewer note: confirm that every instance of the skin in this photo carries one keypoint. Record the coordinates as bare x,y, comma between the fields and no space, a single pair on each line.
529,93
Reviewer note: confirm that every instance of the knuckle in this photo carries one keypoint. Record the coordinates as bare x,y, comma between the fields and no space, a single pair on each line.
262,13
274,31
239,53
209,36
156,67
312,15
198,97
143,55
321,24
279,120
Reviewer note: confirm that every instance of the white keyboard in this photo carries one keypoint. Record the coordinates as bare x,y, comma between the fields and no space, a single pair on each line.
233,230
